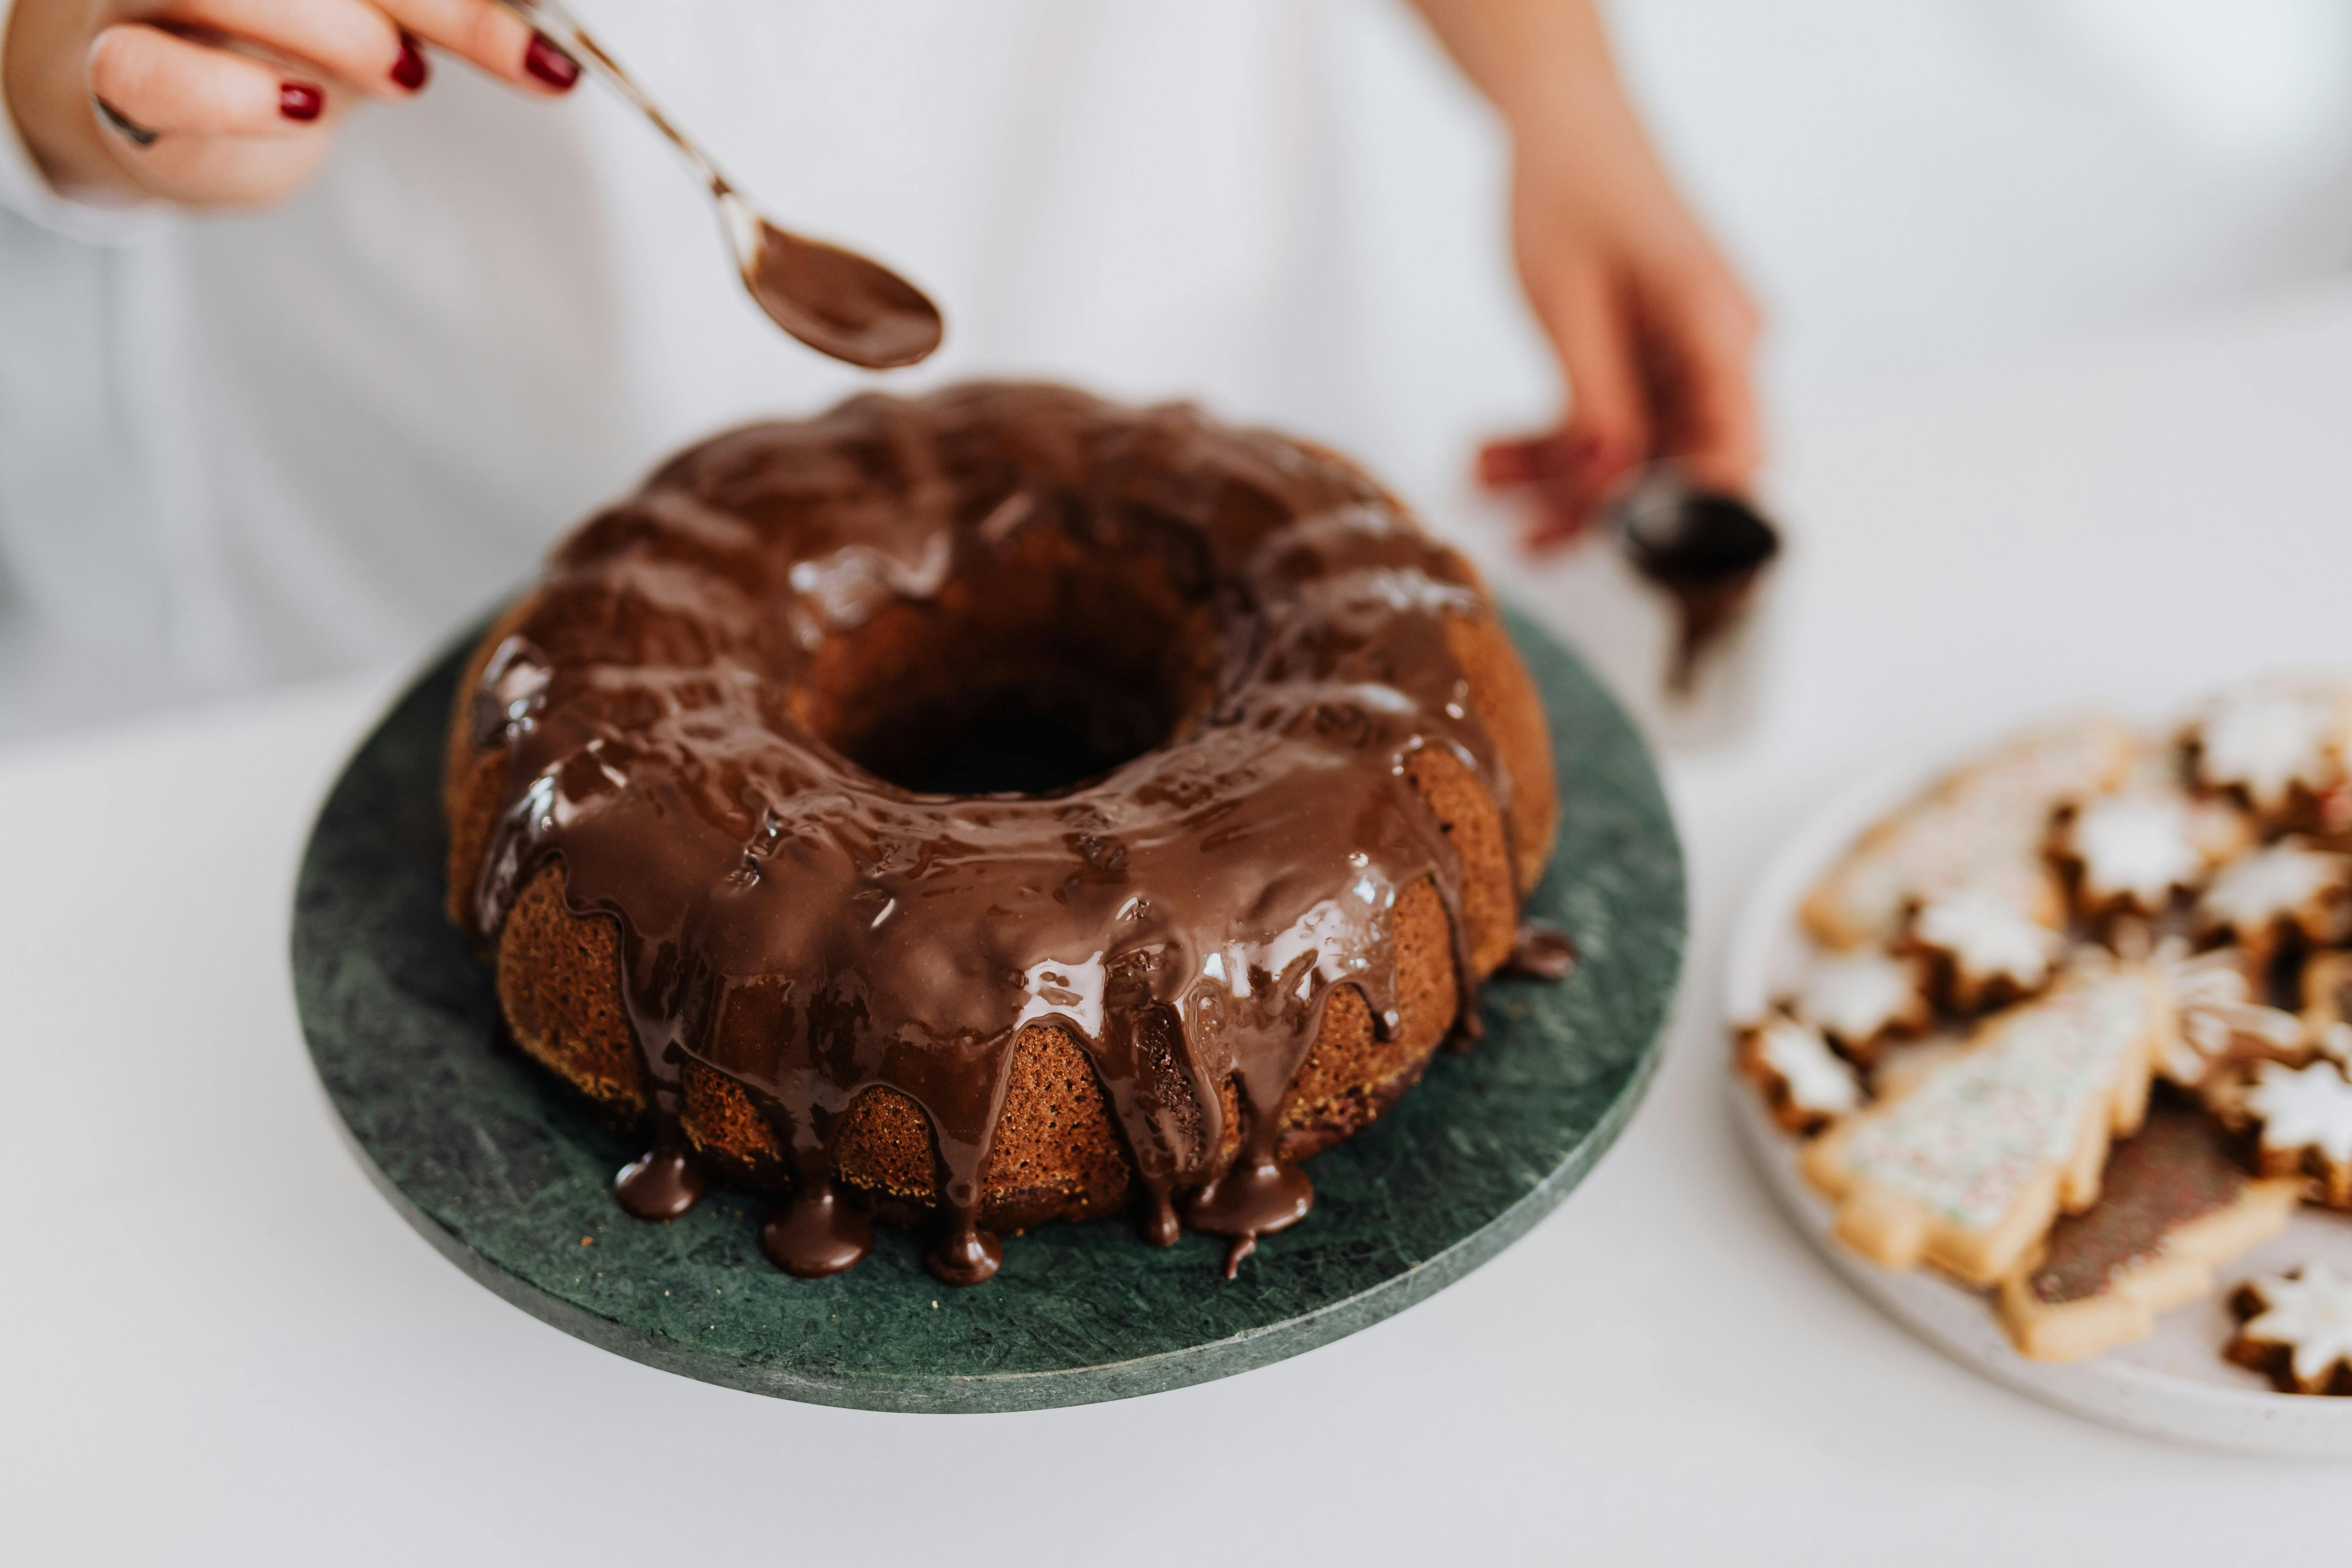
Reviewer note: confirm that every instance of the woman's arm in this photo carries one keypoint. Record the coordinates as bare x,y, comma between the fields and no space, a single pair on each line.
1651,329
231,102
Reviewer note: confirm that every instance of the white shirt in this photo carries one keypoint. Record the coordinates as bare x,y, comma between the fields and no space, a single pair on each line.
241,448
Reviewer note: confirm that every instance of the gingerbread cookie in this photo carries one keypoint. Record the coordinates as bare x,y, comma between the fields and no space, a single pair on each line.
1861,999
2288,887
2218,1021
1990,943
1901,1066
2306,1117
1804,1083
2173,1203
2327,1005
1985,821
2132,850
1967,1170
2275,741
2296,1329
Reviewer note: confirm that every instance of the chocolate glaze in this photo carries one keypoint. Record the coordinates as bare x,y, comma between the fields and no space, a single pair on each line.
2176,1169
811,931
1253,1197
1541,951
963,1254
1706,552
663,1184
819,1232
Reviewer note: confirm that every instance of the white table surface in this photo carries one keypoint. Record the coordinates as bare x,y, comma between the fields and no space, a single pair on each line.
220,1344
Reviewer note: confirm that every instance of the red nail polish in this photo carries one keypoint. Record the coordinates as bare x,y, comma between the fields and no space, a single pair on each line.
410,70
297,101
551,65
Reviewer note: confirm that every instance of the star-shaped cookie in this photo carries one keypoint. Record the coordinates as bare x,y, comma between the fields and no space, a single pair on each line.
2296,1329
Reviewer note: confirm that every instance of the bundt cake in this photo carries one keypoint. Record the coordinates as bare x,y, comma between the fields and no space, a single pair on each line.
994,808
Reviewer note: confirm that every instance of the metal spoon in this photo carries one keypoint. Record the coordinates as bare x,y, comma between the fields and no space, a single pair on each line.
835,300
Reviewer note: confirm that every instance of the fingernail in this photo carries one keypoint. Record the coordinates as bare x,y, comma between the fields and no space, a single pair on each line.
410,70
137,135
297,101
551,65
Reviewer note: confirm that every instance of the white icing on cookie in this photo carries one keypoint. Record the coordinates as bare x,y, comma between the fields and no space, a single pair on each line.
2268,736
2310,1314
2138,846
1979,1127
1816,1078
2271,885
2305,1108
2210,999
1989,935
1855,997
2334,1042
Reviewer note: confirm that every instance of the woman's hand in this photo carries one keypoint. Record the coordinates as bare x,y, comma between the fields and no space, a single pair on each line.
233,102
1651,329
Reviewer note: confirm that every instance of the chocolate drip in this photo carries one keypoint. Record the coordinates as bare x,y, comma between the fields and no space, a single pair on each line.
1540,951
1258,1196
663,1184
1160,1225
963,1254
818,1232
675,705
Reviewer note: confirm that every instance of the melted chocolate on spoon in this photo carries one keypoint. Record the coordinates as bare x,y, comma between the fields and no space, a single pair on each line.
840,303
836,301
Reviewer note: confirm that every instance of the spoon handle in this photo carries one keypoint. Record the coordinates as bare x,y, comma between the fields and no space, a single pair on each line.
553,21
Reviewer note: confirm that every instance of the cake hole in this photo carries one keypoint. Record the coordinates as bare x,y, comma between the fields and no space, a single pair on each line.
1032,671
1034,738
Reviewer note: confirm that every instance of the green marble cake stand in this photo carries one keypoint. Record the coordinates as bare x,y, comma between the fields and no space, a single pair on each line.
484,1155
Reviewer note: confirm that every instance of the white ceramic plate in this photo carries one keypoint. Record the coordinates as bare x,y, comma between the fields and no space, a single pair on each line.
2174,1383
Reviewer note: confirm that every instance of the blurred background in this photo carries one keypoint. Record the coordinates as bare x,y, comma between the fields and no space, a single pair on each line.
1907,185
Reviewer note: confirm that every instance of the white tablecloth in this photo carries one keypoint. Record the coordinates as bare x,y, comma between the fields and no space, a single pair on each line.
221,1344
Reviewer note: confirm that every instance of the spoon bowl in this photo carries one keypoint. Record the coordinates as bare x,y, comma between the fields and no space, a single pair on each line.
836,301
